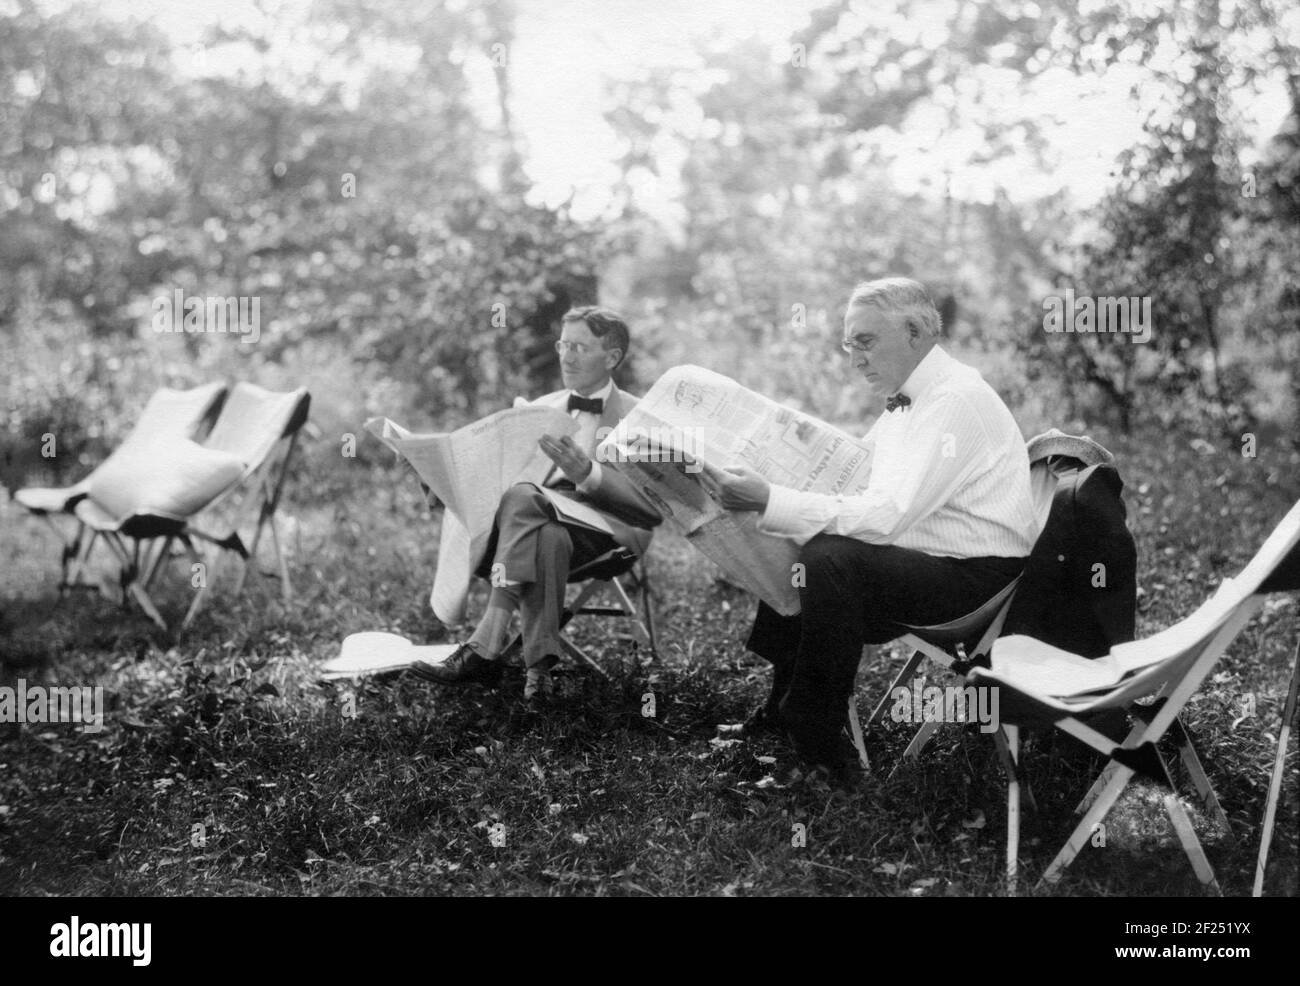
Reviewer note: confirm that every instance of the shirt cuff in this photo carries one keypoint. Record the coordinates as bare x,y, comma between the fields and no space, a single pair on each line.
781,516
592,482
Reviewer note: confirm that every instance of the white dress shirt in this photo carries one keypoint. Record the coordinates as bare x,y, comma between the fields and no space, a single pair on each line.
585,438
949,475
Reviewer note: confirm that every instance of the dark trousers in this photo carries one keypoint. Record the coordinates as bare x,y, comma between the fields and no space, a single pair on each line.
532,547
855,593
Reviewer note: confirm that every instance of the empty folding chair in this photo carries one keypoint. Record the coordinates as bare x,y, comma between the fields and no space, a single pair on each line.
179,413
1039,684
157,492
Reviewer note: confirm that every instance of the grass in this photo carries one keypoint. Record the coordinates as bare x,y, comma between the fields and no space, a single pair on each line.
226,768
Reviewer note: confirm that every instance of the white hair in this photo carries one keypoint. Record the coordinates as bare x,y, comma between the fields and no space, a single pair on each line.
899,296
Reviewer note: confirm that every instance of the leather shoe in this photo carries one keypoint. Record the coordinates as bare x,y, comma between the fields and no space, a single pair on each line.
538,684
817,735
763,721
465,667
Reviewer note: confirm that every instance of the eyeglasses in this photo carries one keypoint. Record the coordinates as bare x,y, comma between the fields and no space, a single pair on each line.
562,346
854,346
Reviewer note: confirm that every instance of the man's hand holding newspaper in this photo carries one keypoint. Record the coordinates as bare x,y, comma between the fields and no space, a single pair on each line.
704,450
736,487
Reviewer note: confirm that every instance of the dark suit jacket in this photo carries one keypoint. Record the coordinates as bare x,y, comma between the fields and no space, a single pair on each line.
1079,591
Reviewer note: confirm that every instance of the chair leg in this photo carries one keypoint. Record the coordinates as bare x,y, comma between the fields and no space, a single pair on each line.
142,599
577,653
265,515
82,559
922,737
71,547
629,610
286,590
1275,784
1007,740
157,562
1191,845
1105,776
908,670
648,613
210,576
131,579
855,729
250,562
1210,802
1100,807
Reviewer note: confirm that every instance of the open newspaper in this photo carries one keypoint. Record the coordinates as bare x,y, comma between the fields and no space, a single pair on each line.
469,470
693,416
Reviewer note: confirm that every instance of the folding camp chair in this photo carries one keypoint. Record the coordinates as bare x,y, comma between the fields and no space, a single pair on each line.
603,574
1043,685
945,645
179,413
240,467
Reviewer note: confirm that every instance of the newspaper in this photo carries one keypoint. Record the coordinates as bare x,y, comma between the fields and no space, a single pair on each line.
693,416
469,469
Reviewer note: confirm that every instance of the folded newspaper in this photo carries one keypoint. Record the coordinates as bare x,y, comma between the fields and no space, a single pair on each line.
693,416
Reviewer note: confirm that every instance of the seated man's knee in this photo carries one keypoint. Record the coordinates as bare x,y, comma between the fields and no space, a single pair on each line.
552,536
832,562
521,497
822,553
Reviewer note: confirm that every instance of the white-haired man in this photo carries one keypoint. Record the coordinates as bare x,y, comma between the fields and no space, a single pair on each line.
946,520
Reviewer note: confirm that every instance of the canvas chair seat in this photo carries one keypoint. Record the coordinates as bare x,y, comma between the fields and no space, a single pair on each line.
613,563
945,644
96,516
972,624
157,489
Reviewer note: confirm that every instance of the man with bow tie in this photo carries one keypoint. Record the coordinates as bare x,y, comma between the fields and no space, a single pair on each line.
945,522
533,548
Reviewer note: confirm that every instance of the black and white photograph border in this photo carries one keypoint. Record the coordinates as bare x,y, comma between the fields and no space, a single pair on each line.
600,448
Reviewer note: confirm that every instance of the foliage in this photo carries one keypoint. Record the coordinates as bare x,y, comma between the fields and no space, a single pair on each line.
361,220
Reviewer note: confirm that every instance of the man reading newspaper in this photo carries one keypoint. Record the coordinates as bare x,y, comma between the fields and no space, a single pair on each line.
538,536
945,522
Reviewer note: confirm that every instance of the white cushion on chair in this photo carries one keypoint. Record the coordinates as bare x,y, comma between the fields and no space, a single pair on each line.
170,477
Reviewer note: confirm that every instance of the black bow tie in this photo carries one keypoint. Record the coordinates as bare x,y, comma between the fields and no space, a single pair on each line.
897,401
592,404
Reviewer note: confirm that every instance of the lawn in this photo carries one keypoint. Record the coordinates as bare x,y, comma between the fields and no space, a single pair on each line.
226,767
